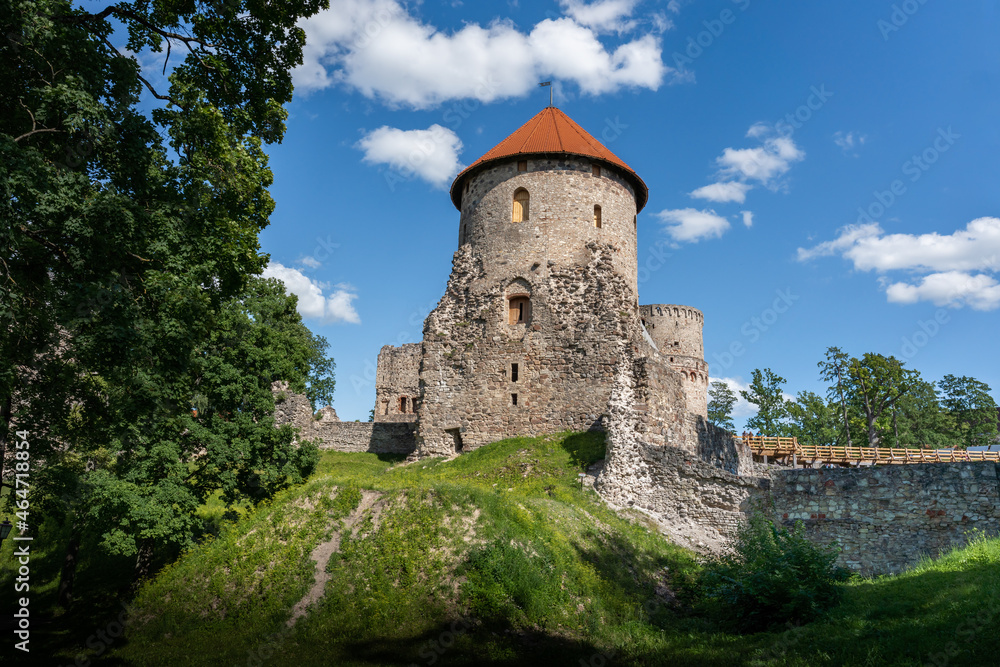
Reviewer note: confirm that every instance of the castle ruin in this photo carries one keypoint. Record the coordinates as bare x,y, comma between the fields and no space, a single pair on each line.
540,330
541,302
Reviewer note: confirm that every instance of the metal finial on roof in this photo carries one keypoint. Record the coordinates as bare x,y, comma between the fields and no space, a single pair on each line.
549,84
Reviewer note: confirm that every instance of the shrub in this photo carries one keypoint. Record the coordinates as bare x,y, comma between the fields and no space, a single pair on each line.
772,576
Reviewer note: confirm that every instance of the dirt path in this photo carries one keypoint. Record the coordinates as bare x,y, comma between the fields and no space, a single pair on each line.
321,554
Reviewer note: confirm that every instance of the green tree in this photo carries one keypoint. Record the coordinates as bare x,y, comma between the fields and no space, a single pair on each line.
720,405
833,369
813,421
969,402
126,239
921,419
772,412
876,383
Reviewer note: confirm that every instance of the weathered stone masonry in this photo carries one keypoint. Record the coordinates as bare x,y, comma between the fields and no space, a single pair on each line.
886,518
397,383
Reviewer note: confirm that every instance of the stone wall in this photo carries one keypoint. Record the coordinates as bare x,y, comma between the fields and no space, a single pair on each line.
565,352
375,437
331,433
886,517
397,383
654,460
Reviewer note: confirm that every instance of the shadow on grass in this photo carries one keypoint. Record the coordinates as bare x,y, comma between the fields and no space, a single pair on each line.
585,448
450,645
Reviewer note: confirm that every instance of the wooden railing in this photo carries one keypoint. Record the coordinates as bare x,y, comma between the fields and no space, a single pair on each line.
789,450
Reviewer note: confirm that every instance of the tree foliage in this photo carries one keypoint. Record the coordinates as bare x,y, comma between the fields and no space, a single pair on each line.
813,421
765,392
974,410
720,405
128,242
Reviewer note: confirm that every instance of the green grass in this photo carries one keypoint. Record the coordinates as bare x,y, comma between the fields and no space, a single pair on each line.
499,557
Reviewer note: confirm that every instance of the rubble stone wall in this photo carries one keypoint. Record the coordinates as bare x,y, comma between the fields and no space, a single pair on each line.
397,383
565,351
886,518
679,471
324,426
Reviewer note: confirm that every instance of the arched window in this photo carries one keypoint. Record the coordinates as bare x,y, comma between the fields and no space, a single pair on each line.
402,404
518,310
521,198
597,216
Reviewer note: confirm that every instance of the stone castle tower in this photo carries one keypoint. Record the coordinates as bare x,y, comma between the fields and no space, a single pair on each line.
542,300
676,332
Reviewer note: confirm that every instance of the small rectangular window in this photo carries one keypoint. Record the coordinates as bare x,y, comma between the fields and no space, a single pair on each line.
522,165
402,404
513,399
597,170
513,372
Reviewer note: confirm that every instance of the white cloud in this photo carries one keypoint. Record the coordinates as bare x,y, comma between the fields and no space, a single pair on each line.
956,266
379,49
849,141
692,225
311,262
763,164
975,248
951,288
743,408
313,304
747,218
601,15
430,154
729,191
849,236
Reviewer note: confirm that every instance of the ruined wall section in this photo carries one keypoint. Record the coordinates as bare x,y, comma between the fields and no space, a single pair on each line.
885,518
650,465
564,352
331,433
397,383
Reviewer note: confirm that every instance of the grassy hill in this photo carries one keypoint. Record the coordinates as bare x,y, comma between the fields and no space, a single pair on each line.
500,557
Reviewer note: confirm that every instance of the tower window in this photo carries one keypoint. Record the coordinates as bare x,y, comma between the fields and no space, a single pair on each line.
513,372
513,399
385,407
402,404
596,170
521,199
597,217
522,165
518,310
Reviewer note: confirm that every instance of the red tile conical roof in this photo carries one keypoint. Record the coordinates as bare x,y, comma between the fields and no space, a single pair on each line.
551,132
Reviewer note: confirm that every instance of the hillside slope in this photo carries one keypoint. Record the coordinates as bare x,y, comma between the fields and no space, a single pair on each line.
500,557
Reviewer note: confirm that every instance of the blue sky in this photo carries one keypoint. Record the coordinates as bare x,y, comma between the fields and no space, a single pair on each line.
820,173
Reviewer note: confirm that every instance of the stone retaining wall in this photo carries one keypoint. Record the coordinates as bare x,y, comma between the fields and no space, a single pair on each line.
886,518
